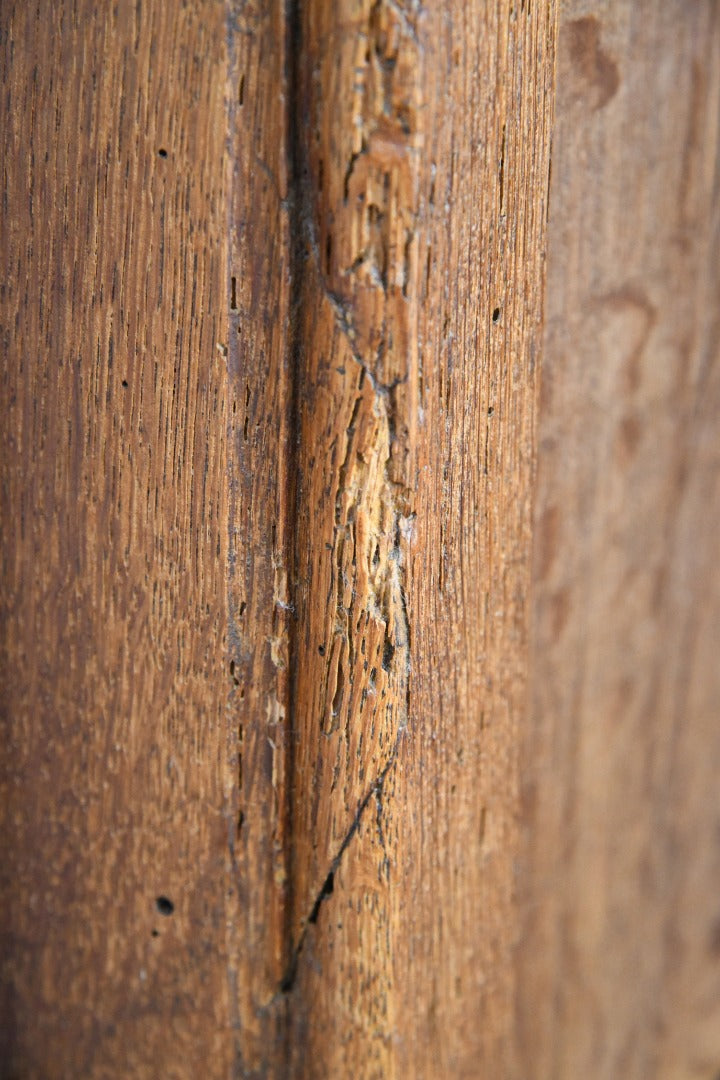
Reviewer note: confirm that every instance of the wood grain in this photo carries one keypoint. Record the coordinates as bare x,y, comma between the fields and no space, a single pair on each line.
267,476
260,463
618,968
324,753
422,161
116,774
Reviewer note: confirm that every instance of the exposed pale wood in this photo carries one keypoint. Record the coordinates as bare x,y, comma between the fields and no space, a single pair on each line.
422,162
116,776
618,969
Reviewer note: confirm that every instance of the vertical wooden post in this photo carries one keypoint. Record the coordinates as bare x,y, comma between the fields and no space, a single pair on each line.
422,156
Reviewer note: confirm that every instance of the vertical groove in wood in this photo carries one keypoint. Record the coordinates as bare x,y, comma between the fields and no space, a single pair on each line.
618,969
114,540
261,522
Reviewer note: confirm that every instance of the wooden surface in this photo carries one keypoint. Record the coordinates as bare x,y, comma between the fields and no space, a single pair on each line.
260,462
115,682
619,968
421,155
359,689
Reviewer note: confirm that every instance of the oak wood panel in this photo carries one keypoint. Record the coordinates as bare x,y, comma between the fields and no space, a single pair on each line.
271,329
421,155
116,775
619,971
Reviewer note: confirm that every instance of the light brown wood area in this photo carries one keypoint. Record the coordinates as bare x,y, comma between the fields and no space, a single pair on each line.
620,960
359,502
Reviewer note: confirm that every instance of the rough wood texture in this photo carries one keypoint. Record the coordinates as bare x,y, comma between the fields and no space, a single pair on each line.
271,326
619,972
421,157
262,518
266,484
115,774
